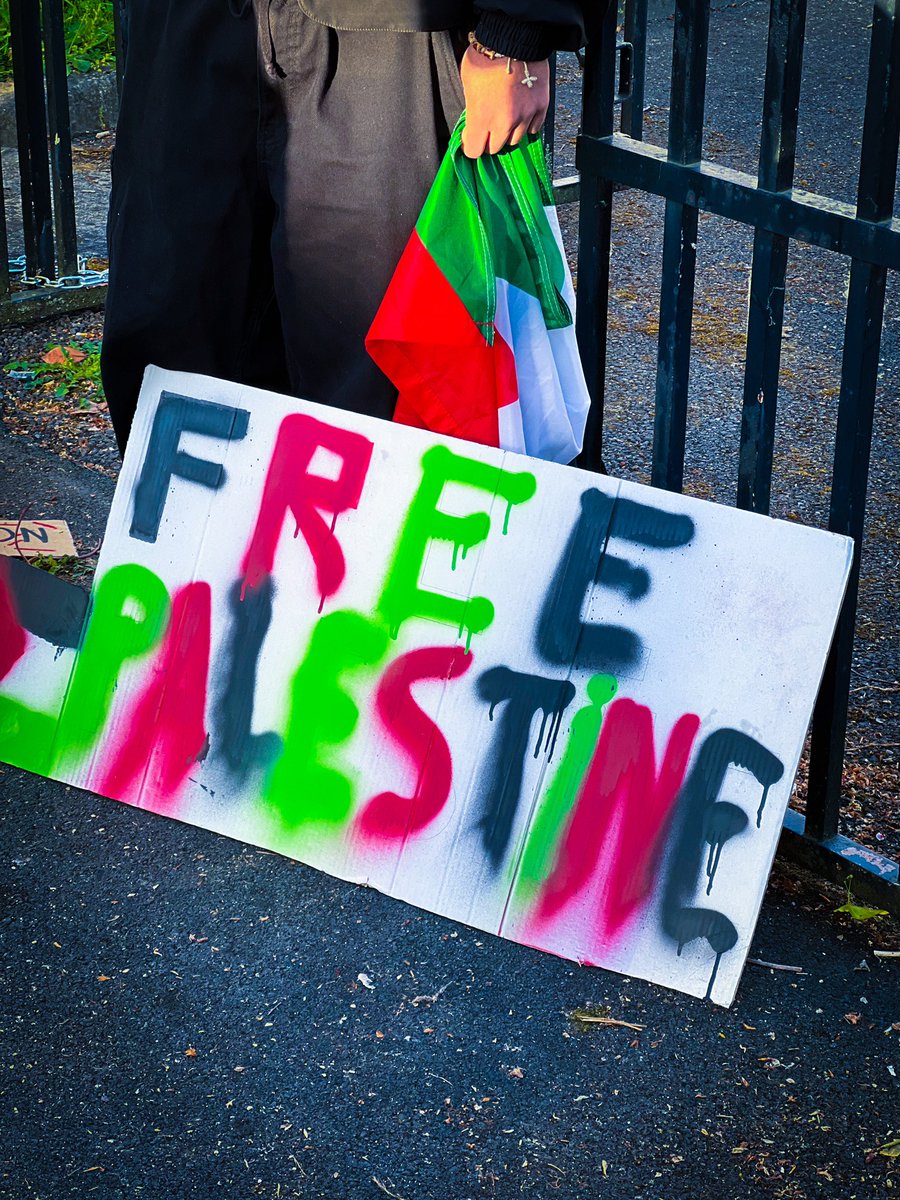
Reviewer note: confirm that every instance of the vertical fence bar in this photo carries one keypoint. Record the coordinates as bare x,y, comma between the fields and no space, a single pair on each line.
676,303
60,137
31,128
765,321
859,377
120,27
4,243
595,234
635,32
549,131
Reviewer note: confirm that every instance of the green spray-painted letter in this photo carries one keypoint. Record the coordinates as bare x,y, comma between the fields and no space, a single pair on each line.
402,597
550,818
302,786
129,611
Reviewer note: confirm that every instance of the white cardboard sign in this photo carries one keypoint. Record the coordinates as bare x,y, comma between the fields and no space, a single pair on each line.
558,707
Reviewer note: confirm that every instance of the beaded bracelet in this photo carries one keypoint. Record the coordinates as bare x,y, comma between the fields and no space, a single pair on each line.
528,79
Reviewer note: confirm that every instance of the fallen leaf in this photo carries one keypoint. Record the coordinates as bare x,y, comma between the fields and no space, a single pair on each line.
190,1052
516,1073
103,979
890,1149
57,355
860,913
853,1018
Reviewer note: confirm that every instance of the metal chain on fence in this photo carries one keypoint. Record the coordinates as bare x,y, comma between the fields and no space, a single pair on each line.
86,277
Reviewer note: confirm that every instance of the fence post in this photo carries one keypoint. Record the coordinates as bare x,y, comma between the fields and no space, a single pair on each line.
60,136
635,32
765,322
595,234
676,302
120,25
31,129
4,243
859,378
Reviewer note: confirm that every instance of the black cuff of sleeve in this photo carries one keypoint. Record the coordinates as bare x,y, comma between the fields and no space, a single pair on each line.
528,41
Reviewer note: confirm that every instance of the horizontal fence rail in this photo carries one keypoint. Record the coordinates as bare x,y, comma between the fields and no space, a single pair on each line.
866,233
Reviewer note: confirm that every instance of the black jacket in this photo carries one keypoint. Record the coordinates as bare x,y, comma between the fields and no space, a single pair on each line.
524,29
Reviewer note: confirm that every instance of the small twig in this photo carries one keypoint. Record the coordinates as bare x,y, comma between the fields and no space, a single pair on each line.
441,1077
22,513
297,1165
387,1191
587,1019
887,953
417,1000
759,962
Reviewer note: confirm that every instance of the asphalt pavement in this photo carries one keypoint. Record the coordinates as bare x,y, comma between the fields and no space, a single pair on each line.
183,1016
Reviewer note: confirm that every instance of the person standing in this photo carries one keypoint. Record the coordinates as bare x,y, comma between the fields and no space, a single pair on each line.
271,159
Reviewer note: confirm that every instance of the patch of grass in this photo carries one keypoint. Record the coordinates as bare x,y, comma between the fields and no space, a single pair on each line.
74,568
72,371
89,31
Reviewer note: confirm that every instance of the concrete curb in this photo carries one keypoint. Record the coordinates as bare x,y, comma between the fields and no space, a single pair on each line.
93,105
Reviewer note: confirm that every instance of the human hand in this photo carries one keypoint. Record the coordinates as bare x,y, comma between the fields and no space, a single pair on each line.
500,107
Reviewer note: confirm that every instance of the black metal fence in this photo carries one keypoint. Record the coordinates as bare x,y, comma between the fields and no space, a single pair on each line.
608,158
866,233
50,264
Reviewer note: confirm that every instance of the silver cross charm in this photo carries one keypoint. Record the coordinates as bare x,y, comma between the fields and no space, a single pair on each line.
528,79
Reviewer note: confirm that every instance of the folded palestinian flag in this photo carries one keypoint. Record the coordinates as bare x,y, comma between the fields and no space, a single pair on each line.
476,327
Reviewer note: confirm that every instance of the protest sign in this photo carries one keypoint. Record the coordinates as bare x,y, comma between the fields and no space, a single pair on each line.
36,538
559,707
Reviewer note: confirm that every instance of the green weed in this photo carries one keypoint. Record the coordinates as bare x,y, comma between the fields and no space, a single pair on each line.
858,911
73,568
71,376
89,32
